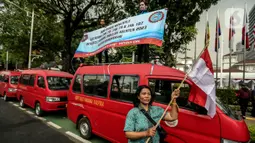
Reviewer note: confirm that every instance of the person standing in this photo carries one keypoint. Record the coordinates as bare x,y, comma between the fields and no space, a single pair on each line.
143,49
244,97
253,102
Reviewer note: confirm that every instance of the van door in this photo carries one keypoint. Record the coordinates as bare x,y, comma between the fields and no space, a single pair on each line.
122,94
40,90
31,90
194,125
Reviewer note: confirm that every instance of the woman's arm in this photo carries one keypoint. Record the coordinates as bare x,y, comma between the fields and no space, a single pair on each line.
137,135
173,114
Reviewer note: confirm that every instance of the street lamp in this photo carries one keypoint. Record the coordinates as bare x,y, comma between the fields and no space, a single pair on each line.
31,40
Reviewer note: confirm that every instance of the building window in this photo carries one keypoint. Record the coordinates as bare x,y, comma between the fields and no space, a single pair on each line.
96,85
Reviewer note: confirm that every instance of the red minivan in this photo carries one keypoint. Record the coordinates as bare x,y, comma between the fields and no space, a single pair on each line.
8,83
101,96
44,90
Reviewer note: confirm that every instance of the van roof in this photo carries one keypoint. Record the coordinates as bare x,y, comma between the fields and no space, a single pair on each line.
139,69
48,73
10,72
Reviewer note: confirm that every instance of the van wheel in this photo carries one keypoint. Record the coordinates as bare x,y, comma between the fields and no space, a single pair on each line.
85,128
5,97
21,102
38,110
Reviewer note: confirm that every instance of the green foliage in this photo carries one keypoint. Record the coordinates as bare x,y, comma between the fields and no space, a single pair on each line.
252,133
227,96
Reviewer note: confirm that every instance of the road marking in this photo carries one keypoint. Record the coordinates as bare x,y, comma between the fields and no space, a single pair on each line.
29,112
1,97
77,137
11,102
22,109
250,118
40,118
54,125
16,105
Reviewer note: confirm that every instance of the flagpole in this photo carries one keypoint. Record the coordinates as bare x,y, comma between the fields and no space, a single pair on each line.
244,46
221,59
195,51
230,48
217,46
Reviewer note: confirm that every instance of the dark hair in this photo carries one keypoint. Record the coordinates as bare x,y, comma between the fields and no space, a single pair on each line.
136,101
144,1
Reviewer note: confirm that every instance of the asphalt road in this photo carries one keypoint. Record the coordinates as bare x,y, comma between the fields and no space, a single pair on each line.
18,127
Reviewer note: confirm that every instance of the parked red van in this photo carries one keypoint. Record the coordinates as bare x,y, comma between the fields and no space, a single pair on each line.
44,90
101,96
8,83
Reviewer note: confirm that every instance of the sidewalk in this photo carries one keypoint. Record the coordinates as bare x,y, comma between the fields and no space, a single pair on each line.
250,120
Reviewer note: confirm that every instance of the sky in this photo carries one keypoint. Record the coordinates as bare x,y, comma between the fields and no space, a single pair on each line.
224,7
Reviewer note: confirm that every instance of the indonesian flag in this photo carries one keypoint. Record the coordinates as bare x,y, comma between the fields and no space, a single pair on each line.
245,37
231,33
202,76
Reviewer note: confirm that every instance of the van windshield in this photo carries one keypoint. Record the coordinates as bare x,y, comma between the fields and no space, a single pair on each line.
229,112
14,79
58,83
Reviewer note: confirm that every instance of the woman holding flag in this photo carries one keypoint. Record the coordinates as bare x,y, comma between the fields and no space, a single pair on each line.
139,127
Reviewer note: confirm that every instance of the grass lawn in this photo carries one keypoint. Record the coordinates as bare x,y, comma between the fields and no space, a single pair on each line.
252,133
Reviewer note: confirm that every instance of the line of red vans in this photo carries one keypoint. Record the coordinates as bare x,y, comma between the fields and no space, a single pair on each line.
43,90
8,83
100,97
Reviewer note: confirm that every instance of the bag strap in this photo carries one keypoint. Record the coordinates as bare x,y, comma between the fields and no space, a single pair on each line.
148,117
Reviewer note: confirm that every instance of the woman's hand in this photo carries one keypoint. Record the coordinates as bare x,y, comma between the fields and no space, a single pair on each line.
175,94
151,131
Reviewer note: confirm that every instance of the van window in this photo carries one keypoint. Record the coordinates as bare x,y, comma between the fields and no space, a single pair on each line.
2,77
24,79
77,84
6,78
96,85
163,89
41,82
58,83
14,79
32,80
124,87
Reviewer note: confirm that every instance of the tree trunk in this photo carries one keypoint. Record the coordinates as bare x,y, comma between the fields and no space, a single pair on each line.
67,53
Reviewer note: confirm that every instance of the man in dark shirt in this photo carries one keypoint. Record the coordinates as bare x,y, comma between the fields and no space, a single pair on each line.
143,49
244,97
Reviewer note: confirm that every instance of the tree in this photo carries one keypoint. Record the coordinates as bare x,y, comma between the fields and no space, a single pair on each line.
180,29
15,33
79,14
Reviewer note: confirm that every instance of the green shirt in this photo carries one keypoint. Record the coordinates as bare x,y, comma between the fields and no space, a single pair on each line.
136,121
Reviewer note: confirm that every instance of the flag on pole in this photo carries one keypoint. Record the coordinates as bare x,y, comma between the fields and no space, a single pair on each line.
202,76
207,34
231,32
218,34
245,37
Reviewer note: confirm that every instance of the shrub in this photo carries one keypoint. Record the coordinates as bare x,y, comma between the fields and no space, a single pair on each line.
252,133
227,96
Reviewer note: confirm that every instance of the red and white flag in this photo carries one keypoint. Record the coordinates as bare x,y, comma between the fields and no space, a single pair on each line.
202,76
245,36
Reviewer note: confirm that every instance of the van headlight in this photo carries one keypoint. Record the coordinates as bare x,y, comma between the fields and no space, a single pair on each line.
52,99
230,141
12,89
